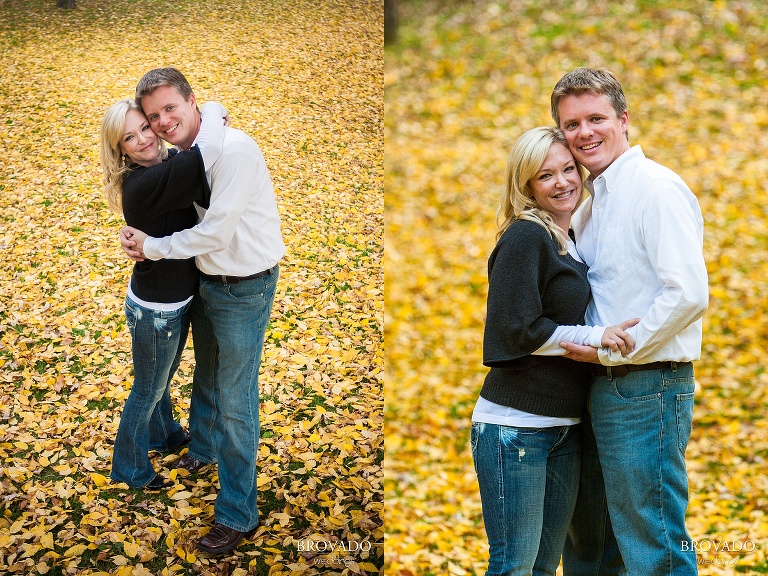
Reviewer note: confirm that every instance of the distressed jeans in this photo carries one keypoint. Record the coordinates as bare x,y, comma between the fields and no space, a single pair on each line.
529,480
158,340
642,423
228,327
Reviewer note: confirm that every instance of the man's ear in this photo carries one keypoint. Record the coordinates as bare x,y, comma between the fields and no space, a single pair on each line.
624,118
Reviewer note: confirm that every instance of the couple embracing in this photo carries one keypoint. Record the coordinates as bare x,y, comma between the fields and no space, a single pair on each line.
204,232
594,315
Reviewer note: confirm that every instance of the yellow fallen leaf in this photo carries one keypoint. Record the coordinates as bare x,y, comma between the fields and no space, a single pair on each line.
76,550
99,479
130,549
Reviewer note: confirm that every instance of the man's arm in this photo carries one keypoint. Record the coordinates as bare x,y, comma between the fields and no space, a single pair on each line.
233,178
672,232
130,245
580,353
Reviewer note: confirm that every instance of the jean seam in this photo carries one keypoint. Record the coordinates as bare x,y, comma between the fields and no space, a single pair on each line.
662,515
500,456
502,500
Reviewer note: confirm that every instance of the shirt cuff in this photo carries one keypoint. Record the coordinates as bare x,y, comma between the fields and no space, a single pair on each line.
608,357
595,337
151,248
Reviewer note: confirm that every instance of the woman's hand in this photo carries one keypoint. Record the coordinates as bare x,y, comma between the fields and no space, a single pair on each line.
618,339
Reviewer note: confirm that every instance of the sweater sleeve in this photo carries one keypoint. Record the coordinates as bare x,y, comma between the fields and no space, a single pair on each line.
515,326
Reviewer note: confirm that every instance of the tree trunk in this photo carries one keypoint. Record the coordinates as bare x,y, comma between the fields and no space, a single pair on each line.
66,3
390,21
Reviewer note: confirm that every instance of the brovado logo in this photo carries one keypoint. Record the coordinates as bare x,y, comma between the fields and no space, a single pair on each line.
324,546
716,546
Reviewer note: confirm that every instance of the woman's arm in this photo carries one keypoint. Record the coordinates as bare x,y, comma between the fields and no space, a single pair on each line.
614,337
582,335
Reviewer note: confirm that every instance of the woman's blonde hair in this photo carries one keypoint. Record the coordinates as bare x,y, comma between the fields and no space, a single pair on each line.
114,164
523,162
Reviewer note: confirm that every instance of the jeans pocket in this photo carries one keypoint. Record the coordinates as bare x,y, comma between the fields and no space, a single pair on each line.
684,415
131,316
639,386
474,434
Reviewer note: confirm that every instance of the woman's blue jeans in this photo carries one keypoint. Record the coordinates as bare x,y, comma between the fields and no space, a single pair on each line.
529,481
228,326
158,340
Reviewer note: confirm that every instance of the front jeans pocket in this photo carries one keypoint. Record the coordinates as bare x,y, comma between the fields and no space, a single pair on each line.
473,435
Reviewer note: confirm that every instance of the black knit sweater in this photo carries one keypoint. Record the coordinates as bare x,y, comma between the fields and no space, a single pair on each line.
158,200
533,289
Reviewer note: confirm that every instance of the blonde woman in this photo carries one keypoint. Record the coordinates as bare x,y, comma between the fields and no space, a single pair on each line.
526,437
155,189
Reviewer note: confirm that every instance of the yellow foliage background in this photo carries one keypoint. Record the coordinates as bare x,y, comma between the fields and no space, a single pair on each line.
464,80
304,79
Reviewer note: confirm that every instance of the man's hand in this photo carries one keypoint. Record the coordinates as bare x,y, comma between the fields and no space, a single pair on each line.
580,353
132,241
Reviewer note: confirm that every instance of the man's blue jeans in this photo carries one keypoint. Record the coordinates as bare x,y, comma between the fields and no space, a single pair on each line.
228,327
529,479
642,423
158,340
591,548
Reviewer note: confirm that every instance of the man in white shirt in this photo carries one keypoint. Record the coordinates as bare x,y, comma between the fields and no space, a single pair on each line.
641,233
237,245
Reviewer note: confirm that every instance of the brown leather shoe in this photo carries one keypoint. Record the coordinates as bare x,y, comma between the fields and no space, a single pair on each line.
192,465
221,539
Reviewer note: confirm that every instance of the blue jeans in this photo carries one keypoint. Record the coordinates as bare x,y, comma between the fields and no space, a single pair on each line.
591,548
642,423
529,480
158,340
228,327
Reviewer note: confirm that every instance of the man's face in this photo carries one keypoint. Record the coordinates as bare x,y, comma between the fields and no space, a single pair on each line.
595,134
172,118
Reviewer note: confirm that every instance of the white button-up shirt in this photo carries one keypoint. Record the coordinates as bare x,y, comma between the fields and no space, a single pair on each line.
641,233
239,234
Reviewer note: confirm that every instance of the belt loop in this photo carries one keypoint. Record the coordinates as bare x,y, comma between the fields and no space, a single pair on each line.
609,372
673,365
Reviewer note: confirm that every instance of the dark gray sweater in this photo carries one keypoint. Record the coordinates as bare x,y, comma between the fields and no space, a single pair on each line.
533,289
158,200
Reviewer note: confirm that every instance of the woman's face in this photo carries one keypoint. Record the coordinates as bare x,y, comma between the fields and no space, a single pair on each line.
557,185
138,140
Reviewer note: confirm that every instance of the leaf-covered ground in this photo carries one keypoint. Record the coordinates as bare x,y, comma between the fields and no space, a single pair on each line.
304,79
464,81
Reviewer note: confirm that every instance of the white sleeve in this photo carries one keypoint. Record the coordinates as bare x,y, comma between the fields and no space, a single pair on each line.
581,335
673,232
232,184
210,139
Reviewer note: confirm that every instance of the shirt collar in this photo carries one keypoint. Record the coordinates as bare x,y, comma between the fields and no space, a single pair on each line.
614,171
